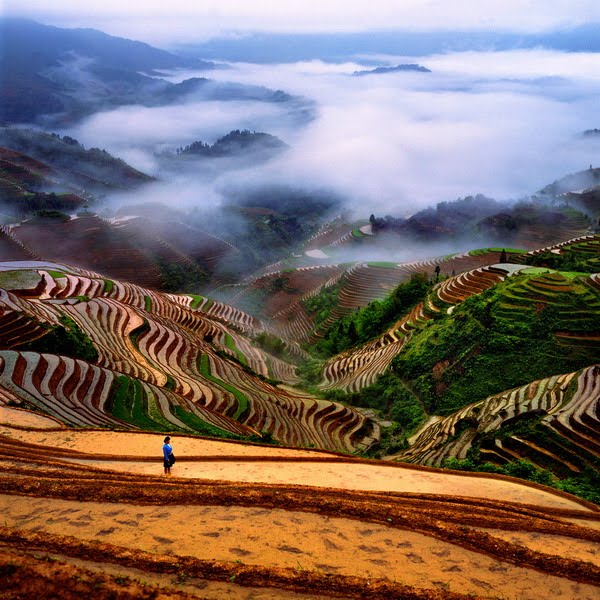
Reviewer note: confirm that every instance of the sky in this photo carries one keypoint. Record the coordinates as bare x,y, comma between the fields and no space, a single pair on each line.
177,21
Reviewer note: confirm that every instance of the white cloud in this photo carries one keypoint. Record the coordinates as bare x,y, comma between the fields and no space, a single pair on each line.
488,123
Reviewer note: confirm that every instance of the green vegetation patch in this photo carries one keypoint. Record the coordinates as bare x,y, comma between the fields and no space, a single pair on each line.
49,216
65,340
383,265
272,344
177,277
253,300
201,427
502,338
481,251
230,343
571,260
135,334
148,303
242,400
108,286
197,301
128,402
374,319
321,305
170,384
586,485
395,401
19,280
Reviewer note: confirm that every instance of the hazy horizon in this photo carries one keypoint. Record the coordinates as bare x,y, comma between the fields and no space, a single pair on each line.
180,21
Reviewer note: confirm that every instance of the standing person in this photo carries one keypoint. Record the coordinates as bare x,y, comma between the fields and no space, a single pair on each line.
169,459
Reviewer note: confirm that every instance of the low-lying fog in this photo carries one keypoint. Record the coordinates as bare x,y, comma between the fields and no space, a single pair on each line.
503,124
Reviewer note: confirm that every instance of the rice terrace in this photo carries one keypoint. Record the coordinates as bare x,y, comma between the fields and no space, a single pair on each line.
249,347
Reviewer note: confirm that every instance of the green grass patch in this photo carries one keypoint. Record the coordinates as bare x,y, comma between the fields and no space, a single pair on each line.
108,286
545,271
321,305
481,251
66,339
383,265
127,401
21,279
230,343
571,259
135,334
242,400
202,427
196,300
148,303
170,384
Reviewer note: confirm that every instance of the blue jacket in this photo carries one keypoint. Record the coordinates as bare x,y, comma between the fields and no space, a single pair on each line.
167,449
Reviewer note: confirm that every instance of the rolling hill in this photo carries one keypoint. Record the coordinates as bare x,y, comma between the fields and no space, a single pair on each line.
71,73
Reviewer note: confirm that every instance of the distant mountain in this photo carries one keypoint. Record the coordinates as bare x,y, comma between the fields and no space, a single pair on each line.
398,68
28,44
91,171
338,47
53,74
234,143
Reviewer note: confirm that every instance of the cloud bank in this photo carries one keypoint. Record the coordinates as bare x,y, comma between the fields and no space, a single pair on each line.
502,124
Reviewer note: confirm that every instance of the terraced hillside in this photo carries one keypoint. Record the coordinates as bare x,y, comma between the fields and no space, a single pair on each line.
133,249
553,423
284,297
567,224
474,336
27,185
359,367
84,514
532,325
65,161
92,351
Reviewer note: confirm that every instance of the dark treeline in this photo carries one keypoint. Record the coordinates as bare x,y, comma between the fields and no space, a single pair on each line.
234,142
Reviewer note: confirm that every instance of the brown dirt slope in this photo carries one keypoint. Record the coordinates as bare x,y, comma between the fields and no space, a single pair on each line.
123,534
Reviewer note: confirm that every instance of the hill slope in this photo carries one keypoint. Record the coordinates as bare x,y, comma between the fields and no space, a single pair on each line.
71,73
144,359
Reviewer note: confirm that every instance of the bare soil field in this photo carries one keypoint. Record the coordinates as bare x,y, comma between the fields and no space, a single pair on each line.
88,513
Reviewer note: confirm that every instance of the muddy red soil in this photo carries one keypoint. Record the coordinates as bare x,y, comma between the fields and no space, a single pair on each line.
283,541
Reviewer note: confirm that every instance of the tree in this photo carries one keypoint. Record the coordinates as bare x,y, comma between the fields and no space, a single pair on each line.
503,258
352,333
